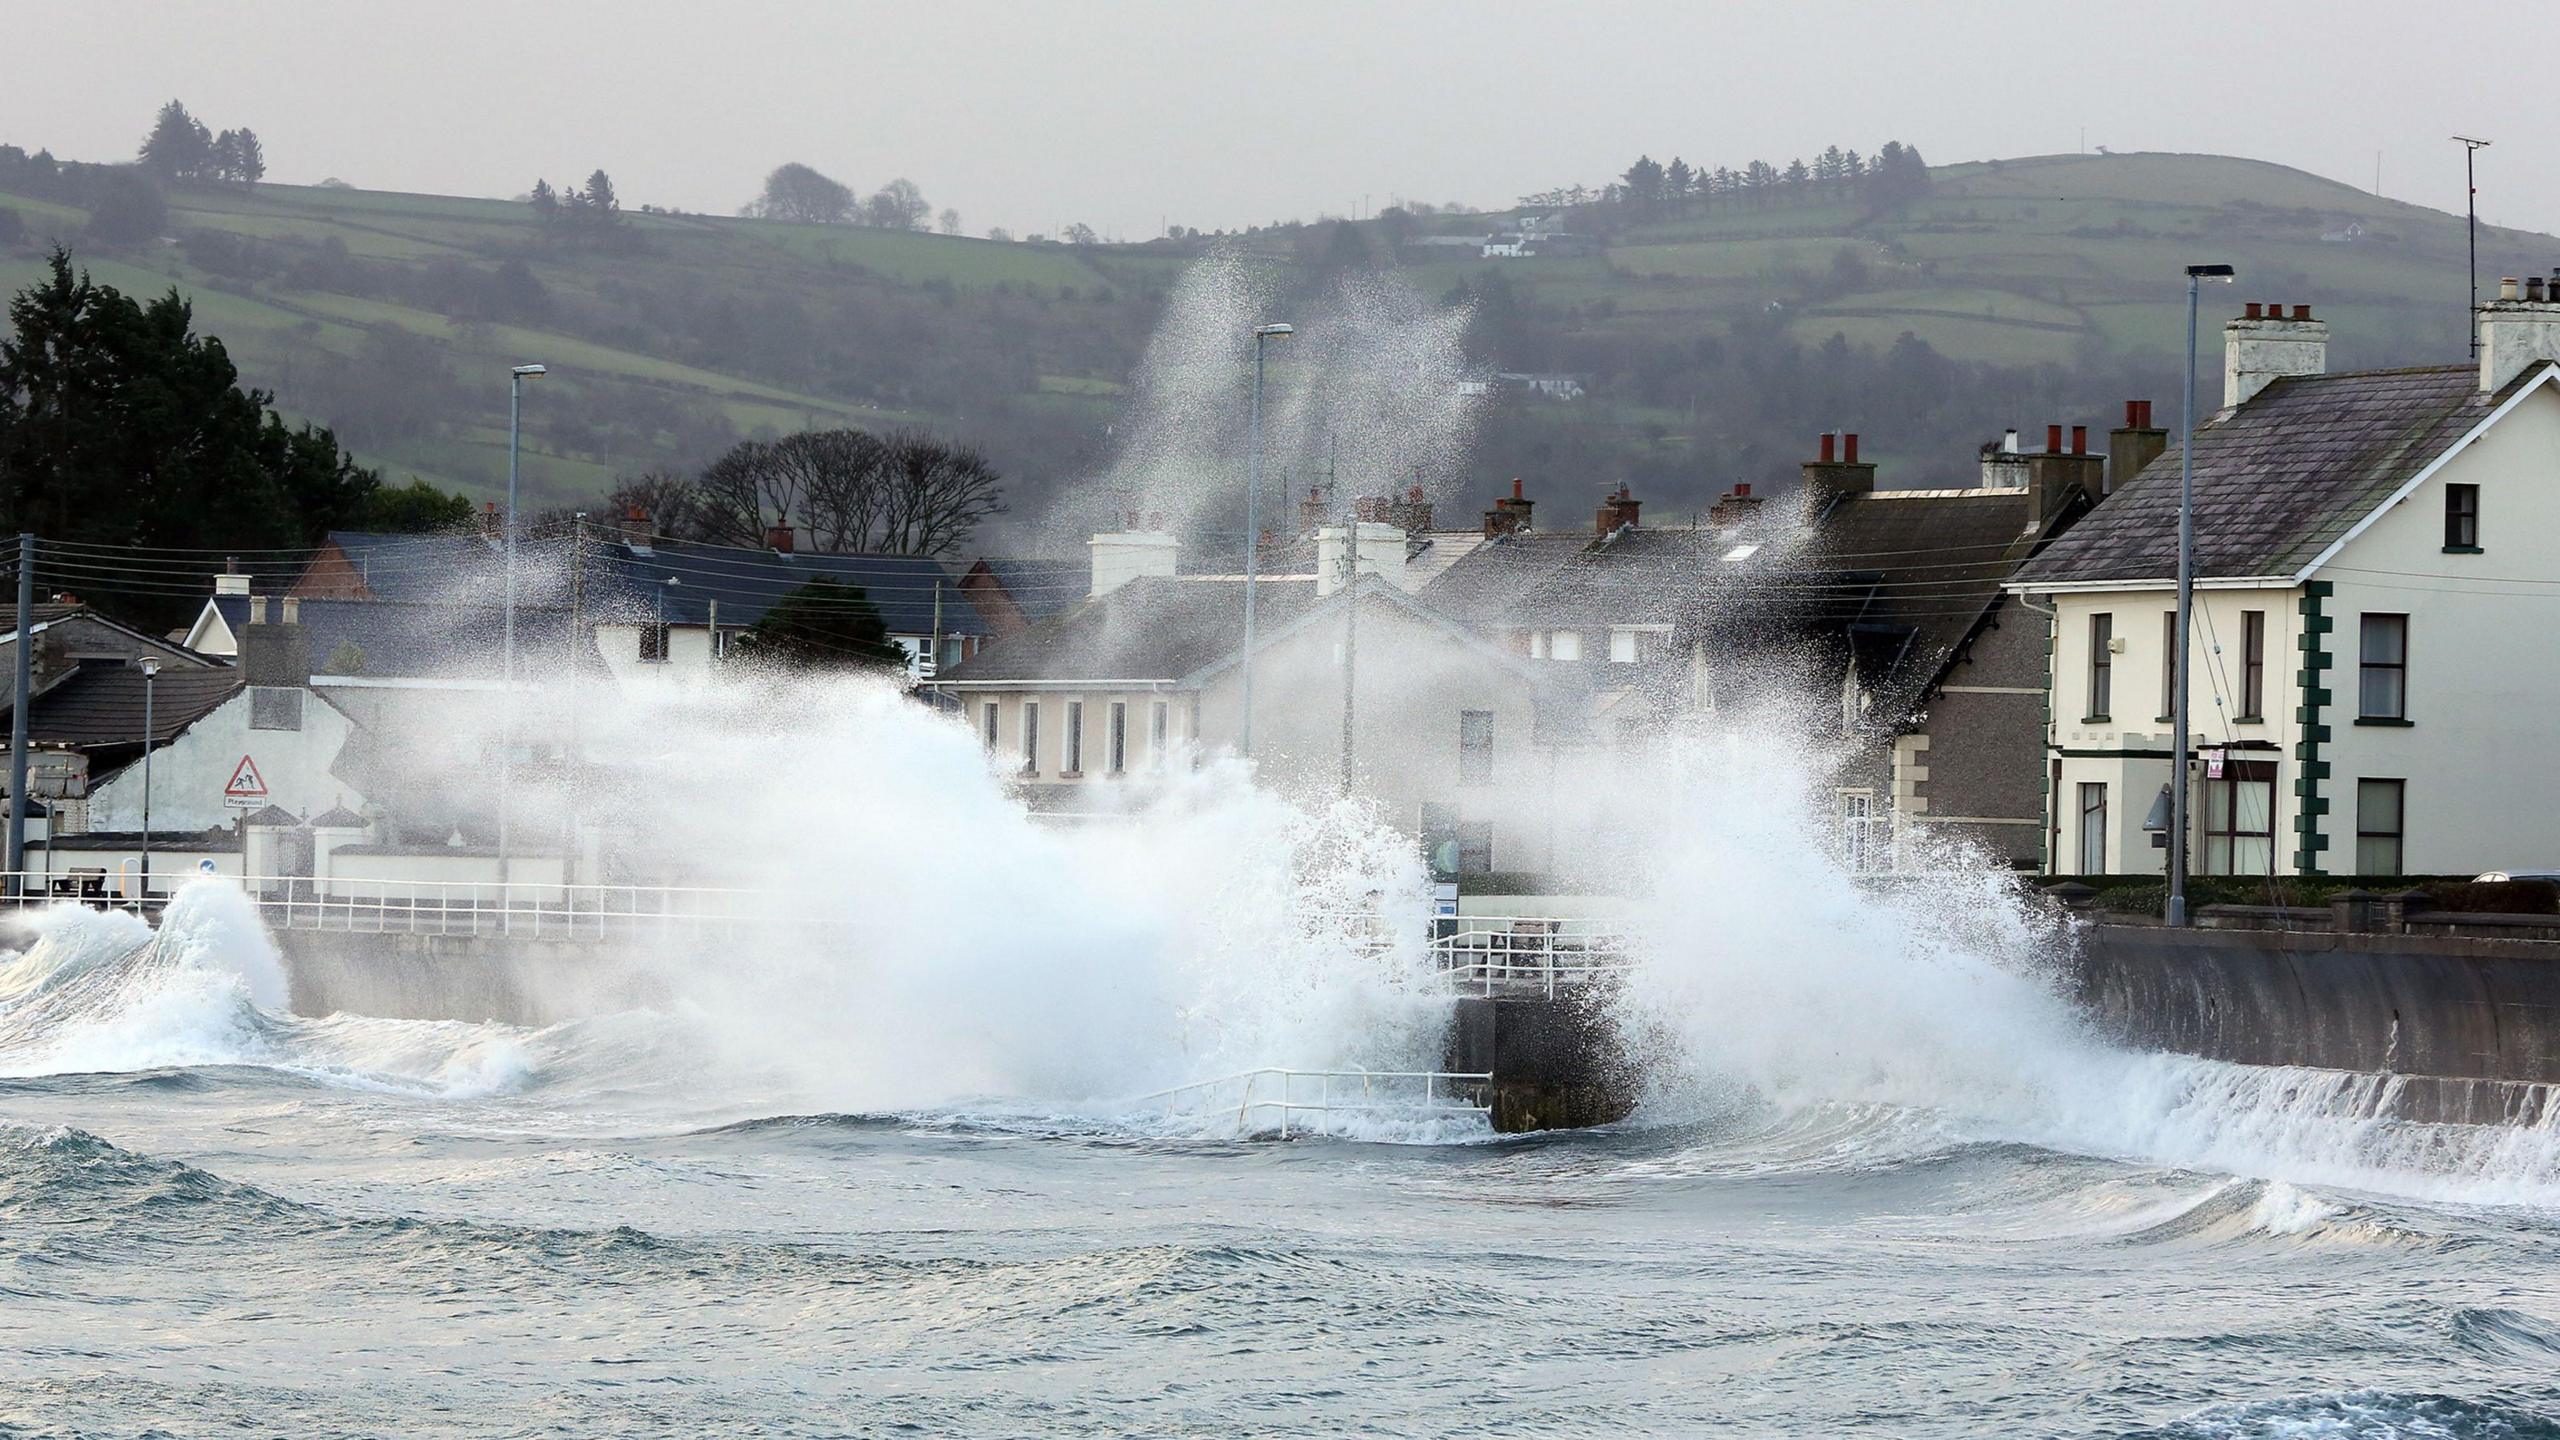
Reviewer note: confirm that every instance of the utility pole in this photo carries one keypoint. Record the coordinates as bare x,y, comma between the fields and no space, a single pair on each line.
18,714
2175,913
1350,606
937,627
2471,149
577,643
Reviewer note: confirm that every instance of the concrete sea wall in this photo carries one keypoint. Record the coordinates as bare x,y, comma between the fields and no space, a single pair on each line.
2474,1024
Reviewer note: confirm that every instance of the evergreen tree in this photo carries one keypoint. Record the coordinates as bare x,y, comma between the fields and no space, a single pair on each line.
1678,179
824,625
121,426
602,206
546,203
249,158
178,147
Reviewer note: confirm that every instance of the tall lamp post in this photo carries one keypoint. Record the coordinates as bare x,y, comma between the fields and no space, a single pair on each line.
665,649
1253,521
2177,909
507,724
150,668
2471,149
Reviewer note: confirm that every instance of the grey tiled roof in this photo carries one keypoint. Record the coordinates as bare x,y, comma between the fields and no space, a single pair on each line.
1487,581
2280,480
1154,628
100,706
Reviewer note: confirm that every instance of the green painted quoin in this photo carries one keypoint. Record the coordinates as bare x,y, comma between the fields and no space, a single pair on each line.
2310,805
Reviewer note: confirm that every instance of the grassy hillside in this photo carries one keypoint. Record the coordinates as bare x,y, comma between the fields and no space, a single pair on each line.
2044,289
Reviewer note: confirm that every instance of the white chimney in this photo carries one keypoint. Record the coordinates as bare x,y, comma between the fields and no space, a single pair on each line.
230,582
1120,556
2518,331
1382,550
2265,345
2003,467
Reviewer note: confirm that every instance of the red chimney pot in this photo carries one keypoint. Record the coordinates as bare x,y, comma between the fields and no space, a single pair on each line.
2079,439
1515,488
1742,490
2254,309
2053,439
1849,448
1827,439
2301,312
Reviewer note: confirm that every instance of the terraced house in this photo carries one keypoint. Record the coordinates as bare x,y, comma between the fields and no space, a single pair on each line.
2378,581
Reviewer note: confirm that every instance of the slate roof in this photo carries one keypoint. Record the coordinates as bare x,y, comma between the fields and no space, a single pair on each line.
1634,577
1041,588
748,582
99,707
2279,480
1479,586
416,639
1907,576
1153,628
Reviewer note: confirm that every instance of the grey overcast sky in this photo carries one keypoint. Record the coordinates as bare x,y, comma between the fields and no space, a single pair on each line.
1134,114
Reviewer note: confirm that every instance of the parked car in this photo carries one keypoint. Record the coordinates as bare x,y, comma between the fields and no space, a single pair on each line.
2551,875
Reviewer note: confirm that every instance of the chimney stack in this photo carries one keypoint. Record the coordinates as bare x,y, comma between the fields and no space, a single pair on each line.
2264,345
777,538
1121,556
1510,513
1412,514
275,652
2518,331
2132,445
2004,467
1617,511
637,532
1734,508
1827,480
489,525
2055,477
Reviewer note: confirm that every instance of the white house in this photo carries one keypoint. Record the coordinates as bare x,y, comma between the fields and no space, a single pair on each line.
2373,643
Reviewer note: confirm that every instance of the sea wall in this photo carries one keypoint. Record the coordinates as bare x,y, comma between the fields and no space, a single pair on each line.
1556,1062
511,979
2483,1012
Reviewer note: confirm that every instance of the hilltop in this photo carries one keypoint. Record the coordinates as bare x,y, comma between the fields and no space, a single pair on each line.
2035,289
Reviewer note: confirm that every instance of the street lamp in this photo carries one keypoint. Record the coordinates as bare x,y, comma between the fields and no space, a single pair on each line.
150,668
666,652
2177,908
1253,520
516,377
2471,148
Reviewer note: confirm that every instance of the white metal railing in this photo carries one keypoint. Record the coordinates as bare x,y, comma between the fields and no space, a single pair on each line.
377,905
1275,1099
1532,952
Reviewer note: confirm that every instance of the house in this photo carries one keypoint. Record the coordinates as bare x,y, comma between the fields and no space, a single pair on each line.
2370,684
1012,595
1503,245
1149,672
670,608
1554,385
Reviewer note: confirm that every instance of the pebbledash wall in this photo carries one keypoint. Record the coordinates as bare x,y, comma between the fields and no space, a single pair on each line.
188,775
2481,683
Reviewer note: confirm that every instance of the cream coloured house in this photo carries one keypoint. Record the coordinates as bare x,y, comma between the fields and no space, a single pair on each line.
2376,643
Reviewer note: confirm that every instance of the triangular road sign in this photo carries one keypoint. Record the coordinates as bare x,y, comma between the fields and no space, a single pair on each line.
246,782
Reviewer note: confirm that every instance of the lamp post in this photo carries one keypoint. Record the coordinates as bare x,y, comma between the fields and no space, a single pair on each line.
150,668
2471,149
666,651
507,724
1253,522
2177,908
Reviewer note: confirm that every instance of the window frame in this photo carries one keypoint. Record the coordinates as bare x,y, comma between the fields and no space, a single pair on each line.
1116,739
273,698
2102,667
2168,664
2461,519
1159,729
2398,836
2253,667
1030,737
1475,847
2096,832
1071,759
1475,747
991,723
2228,789
2394,672
657,640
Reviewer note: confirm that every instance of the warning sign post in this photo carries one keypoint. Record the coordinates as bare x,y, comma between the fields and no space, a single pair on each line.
248,789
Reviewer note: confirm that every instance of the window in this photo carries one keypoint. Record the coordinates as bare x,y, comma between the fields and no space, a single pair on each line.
2379,826
987,718
2239,819
1030,737
2382,675
2093,828
1475,747
1156,727
275,707
1440,838
1119,736
2253,664
1073,763
2168,665
653,644
1475,847
2102,642
1622,647
1857,829
1564,645
2462,518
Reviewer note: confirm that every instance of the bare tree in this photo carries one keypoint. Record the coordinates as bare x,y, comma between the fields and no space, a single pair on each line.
898,205
850,492
672,502
796,192
950,222
936,494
